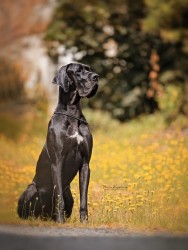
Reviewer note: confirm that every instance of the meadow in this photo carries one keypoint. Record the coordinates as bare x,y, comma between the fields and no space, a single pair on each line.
138,178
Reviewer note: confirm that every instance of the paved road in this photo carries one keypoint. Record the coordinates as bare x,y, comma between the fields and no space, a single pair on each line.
33,238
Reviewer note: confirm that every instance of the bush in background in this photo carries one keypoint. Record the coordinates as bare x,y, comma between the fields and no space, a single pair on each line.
118,40
11,83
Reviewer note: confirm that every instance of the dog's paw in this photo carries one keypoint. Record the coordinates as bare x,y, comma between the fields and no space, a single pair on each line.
83,217
60,219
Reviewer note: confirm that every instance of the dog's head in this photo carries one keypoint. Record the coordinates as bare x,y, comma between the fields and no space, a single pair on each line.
78,79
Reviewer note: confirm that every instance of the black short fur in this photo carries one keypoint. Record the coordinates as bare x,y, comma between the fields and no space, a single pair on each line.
67,150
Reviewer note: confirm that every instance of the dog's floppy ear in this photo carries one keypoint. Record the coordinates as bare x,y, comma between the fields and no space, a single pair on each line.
61,78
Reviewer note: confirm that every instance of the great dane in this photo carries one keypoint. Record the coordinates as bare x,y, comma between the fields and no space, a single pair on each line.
67,150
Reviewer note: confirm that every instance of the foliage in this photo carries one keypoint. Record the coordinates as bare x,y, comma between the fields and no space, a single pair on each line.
117,39
18,119
137,181
11,125
107,36
169,19
13,95
11,83
171,16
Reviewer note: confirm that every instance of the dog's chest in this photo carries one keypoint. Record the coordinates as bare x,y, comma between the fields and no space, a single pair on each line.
76,136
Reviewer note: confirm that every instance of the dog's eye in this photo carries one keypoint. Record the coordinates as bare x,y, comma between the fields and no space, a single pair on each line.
78,75
87,69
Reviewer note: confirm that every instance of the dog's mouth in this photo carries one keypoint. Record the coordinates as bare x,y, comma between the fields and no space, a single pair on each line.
93,91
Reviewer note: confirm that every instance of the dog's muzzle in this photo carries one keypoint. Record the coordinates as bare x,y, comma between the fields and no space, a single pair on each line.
93,91
94,78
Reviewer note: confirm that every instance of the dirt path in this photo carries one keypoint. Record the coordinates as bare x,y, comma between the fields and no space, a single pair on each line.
62,232
25,237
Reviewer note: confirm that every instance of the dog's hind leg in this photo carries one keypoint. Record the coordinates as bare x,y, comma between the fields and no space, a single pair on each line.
29,203
68,199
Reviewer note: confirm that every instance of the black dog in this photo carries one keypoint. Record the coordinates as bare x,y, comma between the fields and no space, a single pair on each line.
67,150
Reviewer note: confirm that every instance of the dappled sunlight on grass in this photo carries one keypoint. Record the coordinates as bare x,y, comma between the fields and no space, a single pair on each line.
138,177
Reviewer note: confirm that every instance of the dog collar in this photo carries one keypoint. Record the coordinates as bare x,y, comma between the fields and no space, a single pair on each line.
72,116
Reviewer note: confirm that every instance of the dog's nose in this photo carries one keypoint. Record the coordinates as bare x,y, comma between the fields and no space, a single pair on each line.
95,77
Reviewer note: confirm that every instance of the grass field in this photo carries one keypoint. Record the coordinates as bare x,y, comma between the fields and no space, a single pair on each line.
138,174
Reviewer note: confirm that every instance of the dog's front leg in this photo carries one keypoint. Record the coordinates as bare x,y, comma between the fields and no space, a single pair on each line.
54,151
84,176
59,205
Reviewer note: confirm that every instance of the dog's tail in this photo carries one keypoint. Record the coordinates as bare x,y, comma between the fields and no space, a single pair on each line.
28,203
69,201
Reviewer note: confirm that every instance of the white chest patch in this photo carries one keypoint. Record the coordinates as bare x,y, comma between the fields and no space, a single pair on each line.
78,137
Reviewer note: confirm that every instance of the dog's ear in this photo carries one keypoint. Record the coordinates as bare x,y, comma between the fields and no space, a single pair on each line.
61,78
71,69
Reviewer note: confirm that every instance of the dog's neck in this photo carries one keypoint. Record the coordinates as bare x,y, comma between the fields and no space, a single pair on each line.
64,105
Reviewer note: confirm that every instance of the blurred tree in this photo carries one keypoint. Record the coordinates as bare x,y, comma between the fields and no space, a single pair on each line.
11,83
169,19
109,36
